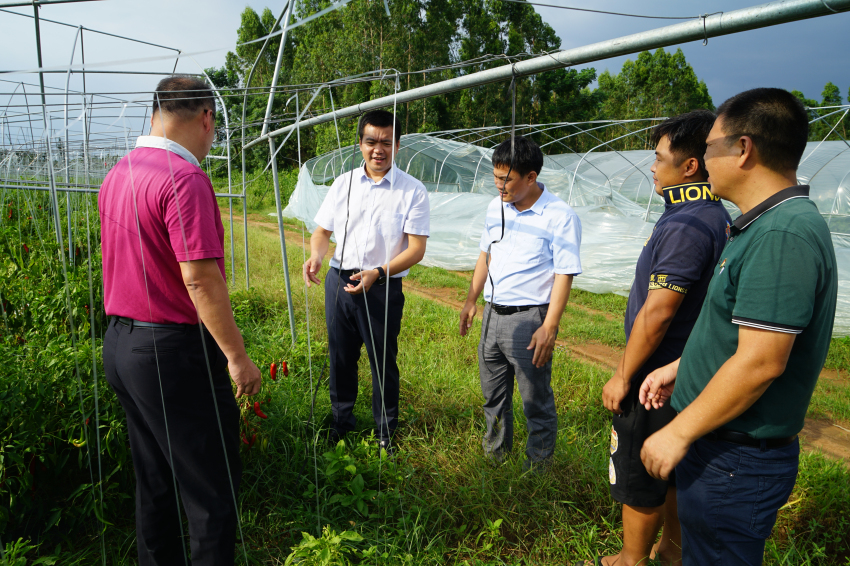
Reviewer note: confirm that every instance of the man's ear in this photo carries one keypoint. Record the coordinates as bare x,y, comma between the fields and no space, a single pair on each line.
532,177
746,151
691,167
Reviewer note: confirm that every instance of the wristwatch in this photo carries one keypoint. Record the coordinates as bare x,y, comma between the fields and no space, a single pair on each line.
382,276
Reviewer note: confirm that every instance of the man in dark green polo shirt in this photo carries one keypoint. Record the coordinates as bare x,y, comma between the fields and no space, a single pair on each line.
745,378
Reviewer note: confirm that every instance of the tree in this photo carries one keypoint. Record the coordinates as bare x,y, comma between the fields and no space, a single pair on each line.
654,85
826,120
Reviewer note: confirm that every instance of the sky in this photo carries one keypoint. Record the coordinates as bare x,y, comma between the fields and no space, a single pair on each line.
799,55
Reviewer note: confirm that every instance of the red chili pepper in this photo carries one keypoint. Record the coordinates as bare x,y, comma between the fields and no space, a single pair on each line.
259,412
253,439
87,420
26,248
273,371
245,440
269,400
285,369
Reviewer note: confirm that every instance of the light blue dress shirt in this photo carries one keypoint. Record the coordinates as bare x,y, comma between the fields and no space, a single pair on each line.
539,242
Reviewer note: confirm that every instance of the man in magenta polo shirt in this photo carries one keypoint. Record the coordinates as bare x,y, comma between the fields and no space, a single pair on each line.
163,275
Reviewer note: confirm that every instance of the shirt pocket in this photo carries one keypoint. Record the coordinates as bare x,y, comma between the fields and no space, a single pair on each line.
391,226
530,249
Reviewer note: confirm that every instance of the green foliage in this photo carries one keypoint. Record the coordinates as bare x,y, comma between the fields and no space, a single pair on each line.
830,124
331,549
50,431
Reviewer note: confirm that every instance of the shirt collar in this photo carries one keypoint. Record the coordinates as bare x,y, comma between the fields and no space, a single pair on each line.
368,179
158,142
539,204
688,192
798,191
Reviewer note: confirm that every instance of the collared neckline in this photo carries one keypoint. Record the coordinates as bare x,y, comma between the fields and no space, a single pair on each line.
688,192
539,204
158,142
386,177
797,191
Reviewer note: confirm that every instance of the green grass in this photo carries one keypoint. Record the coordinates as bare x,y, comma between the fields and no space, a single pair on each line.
443,503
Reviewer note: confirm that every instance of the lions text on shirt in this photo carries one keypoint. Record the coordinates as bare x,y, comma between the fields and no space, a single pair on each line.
379,217
539,242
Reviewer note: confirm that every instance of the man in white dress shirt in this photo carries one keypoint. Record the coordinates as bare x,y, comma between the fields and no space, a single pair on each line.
529,255
380,217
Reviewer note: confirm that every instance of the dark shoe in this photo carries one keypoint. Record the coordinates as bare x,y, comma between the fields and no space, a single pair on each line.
388,447
496,458
539,467
334,436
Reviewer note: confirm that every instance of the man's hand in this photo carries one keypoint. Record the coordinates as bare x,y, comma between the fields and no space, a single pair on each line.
311,267
245,375
543,342
366,278
657,388
467,315
614,392
662,451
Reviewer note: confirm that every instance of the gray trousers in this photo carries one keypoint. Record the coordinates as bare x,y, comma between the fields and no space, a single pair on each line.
502,356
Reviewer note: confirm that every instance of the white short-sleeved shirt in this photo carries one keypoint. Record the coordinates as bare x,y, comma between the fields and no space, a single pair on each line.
380,216
539,242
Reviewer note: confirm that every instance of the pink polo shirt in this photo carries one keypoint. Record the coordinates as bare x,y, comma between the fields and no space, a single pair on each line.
178,220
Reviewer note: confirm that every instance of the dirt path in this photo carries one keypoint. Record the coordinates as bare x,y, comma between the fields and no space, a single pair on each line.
818,434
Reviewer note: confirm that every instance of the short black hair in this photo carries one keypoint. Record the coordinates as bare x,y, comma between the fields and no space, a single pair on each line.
183,96
776,121
687,134
526,157
379,119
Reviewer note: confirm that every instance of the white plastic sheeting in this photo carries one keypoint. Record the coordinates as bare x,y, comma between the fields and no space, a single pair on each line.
611,192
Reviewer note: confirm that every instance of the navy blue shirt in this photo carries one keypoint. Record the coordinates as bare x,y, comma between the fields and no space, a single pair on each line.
679,255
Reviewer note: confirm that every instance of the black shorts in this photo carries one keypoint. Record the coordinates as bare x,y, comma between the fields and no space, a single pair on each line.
630,482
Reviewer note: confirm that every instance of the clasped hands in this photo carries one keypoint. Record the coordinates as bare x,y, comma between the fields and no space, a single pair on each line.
366,278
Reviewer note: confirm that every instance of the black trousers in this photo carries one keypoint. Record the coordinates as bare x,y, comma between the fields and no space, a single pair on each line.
161,380
348,329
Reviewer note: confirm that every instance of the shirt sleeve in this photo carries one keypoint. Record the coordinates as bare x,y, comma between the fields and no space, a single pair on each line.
190,218
489,219
777,284
325,216
566,244
681,252
418,219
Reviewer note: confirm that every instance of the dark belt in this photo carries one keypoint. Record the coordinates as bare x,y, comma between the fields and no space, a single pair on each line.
142,324
349,272
503,309
747,440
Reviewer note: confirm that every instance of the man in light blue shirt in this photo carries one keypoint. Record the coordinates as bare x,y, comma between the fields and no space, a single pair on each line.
529,255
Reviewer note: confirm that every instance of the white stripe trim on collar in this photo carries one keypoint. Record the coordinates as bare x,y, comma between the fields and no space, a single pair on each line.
158,142
744,227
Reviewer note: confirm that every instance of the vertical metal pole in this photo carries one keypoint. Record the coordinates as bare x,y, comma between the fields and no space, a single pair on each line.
50,175
66,148
244,108
275,176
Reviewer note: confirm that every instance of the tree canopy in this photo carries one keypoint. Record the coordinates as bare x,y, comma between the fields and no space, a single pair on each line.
426,41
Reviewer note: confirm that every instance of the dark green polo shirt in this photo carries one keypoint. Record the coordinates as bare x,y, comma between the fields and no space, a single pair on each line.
777,272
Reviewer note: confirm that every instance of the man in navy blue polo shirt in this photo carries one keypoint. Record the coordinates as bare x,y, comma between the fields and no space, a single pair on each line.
671,278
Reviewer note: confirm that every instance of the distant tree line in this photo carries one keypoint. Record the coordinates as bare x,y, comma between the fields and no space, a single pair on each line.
448,38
